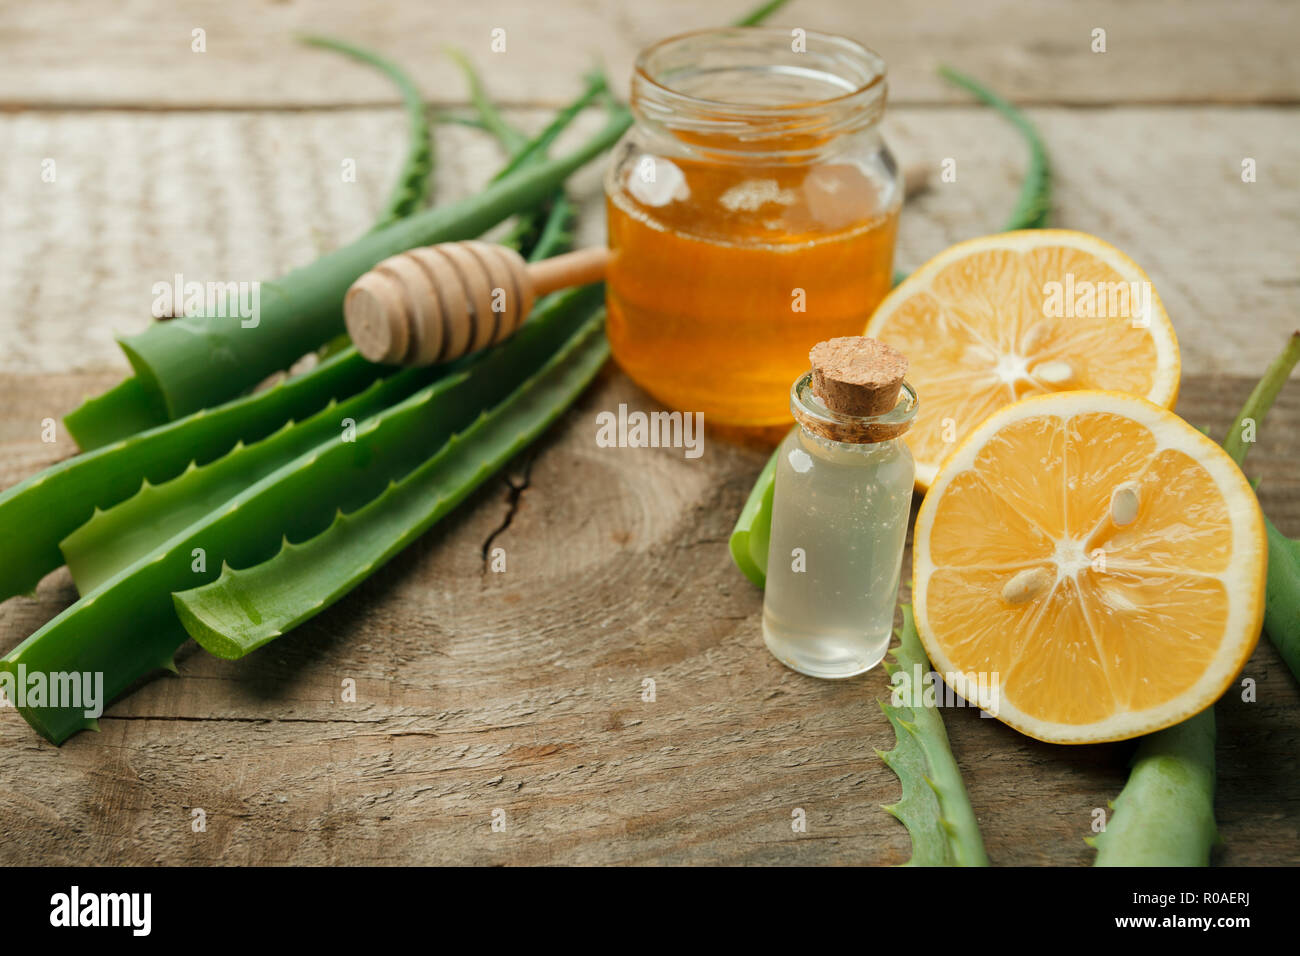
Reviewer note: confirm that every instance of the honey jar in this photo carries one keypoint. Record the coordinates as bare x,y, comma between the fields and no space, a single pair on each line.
752,211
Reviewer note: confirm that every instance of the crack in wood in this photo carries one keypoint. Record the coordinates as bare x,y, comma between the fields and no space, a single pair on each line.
512,506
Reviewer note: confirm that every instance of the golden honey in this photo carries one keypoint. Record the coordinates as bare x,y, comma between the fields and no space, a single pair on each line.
750,216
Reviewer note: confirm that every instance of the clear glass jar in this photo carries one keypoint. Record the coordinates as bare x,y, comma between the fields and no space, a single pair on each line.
839,522
752,211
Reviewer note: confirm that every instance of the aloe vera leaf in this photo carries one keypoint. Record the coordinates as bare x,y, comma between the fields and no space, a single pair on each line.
36,514
1282,599
115,538
243,610
412,187
133,405
1165,814
525,233
1260,400
1282,593
934,807
760,13
489,116
1032,211
536,149
127,628
749,538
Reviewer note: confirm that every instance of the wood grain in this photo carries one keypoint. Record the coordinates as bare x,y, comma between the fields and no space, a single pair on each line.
1195,51
522,691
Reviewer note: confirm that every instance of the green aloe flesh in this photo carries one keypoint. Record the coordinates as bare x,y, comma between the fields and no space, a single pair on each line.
38,513
749,540
133,405
195,362
1164,816
934,807
749,537
243,610
127,628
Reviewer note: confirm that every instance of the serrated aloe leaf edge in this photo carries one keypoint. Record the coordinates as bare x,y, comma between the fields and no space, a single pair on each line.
116,538
36,514
934,807
243,610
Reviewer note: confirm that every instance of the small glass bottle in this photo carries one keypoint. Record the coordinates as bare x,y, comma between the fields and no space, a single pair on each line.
840,508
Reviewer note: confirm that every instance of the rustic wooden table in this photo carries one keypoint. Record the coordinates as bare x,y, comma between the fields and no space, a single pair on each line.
523,691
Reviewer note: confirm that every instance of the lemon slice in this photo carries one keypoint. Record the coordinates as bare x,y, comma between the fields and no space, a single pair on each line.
995,319
1093,563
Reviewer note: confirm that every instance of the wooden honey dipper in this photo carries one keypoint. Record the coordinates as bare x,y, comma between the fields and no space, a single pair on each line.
438,303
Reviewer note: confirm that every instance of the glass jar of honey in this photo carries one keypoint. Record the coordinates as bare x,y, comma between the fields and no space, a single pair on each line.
752,211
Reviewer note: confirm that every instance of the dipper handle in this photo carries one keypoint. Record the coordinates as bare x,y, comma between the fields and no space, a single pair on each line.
438,303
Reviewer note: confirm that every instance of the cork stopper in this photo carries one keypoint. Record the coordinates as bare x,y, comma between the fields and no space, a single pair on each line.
856,378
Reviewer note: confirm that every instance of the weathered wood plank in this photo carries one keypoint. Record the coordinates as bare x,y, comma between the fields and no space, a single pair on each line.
523,691
140,54
246,196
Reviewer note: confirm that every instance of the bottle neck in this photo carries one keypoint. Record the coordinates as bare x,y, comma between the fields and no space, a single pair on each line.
817,420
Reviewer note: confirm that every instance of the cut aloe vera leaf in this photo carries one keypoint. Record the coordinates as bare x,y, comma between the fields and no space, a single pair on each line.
125,409
934,807
1165,814
38,513
127,628
194,361
245,609
116,538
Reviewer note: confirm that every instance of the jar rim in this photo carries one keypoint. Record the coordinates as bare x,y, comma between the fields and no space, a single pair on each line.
863,54
792,126
813,416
